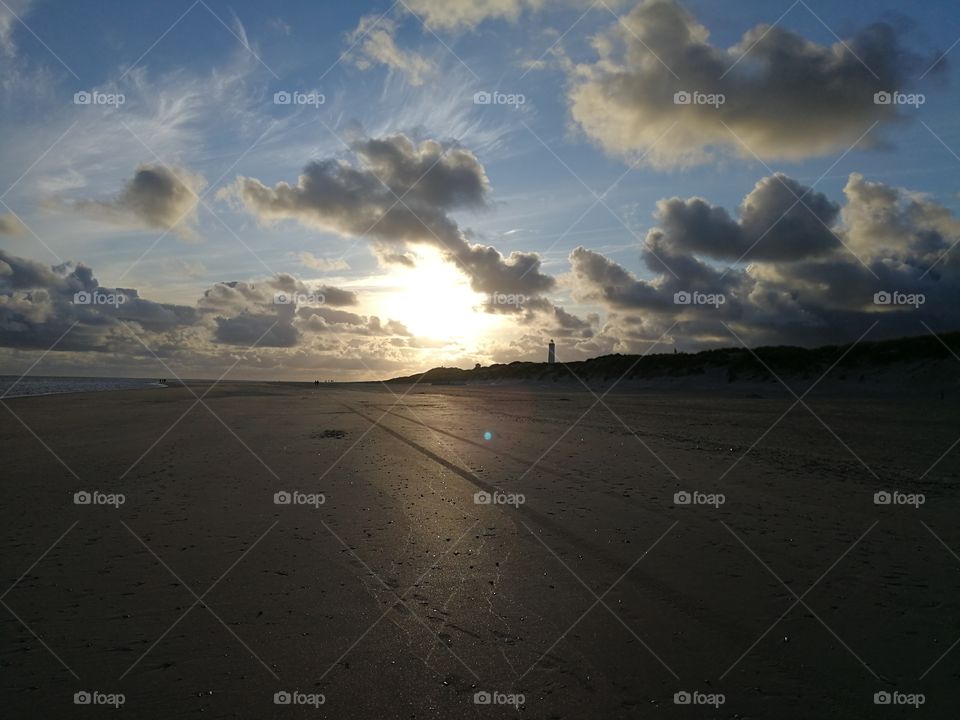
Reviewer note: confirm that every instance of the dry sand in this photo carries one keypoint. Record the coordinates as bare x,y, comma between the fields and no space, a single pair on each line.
400,597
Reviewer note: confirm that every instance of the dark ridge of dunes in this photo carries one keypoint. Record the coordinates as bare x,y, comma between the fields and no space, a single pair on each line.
740,363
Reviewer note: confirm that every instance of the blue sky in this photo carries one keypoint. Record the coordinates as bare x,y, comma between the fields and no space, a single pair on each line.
199,80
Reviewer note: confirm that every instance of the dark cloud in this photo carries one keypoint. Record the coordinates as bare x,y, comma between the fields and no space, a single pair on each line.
324,319
331,316
402,193
785,96
806,292
336,296
155,197
39,303
557,322
388,256
779,220
248,329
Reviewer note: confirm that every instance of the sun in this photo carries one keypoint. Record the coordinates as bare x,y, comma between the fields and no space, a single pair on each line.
434,300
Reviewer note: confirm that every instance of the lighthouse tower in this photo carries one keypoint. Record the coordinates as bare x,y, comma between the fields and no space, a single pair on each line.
551,352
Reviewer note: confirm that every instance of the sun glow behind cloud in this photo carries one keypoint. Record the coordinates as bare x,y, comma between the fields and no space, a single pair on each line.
435,301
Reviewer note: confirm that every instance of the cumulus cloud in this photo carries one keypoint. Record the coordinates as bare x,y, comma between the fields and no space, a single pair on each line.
402,193
331,320
373,44
337,297
784,98
330,316
803,290
39,303
282,309
780,219
249,329
155,197
389,255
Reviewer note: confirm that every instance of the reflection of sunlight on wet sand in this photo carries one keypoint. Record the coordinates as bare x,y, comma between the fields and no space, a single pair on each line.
434,300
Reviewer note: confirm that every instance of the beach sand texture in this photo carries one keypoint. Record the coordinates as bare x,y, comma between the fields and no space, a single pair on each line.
401,596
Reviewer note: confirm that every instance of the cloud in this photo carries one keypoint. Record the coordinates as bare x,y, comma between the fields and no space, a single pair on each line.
9,12
784,98
249,329
402,193
280,25
388,255
780,219
155,197
892,222
467,14
280,309
39,303
555,321
10,225
452,14
310,260
372,43
803,290
325,319
336,296
331,316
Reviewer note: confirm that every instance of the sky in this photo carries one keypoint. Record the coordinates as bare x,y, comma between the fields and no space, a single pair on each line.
362,190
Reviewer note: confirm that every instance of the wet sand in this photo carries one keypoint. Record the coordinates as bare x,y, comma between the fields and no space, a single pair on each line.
401,596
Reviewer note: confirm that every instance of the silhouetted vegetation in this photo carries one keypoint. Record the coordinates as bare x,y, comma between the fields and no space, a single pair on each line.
739,363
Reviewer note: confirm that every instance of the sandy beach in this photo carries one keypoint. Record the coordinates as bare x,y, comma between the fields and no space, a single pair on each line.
580,583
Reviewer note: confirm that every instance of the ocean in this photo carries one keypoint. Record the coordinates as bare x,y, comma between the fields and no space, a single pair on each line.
42,385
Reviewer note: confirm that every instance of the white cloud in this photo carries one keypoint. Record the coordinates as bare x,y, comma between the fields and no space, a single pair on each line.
375,44
310,260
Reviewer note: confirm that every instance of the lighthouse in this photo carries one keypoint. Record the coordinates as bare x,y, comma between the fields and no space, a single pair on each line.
551,352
